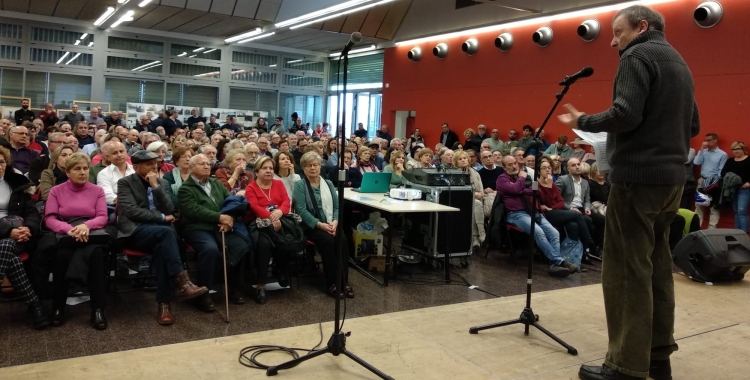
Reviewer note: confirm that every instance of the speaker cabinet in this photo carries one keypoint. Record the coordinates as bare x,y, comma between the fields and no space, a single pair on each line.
715,255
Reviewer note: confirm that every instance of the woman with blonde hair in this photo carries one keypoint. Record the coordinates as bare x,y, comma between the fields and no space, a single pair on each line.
468,135
461,161
599,189
55,172
424,158
740,166
363,163
396,167
556,162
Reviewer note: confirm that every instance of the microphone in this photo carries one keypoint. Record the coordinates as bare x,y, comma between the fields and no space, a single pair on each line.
584,73
355,39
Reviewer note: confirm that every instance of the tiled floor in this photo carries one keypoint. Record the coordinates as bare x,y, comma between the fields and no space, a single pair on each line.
132,323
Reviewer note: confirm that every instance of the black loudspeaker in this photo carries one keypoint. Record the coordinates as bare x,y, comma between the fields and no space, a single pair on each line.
714,255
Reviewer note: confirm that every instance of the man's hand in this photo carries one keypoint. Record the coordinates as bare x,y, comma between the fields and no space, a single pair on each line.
587,211
545,208
224,228
169,218
704,145
152,179
226,219
571,118
523,174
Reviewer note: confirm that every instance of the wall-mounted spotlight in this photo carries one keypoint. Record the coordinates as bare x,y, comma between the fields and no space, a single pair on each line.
589,30
441,50
504,42
708,14
470,47
543,36
415,54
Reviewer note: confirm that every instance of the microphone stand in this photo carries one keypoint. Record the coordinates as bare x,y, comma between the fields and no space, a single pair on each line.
337,343
528,318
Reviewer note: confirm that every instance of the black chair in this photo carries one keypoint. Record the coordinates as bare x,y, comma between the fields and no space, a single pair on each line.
500,230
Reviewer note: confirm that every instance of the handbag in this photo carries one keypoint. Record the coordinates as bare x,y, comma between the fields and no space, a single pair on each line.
289,238
572,251
96,236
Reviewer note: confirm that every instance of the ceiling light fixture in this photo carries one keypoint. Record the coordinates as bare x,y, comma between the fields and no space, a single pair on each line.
107,14
127,17
357,86
199,49
144,3
84,35
145,66
63,57
122,1
73,59
150,67
340,14
91,43
78,42
355,51
238,37
209,51
274,65
534,20
192,56
321,12
257,37
295,61
184,53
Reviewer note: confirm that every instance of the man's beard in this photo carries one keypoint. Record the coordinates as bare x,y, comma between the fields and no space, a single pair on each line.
213,162
25,107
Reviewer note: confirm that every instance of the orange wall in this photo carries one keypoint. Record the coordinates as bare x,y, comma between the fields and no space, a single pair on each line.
508,90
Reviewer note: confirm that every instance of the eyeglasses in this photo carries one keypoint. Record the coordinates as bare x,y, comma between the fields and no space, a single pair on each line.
3,164
21,133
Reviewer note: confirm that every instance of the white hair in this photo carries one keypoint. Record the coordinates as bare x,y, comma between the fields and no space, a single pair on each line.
156,145
193,159
394,141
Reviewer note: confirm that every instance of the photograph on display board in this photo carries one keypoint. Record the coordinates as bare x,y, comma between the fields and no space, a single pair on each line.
136,110
184,112
245,119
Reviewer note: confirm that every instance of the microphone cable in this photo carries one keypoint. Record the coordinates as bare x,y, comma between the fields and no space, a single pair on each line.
249,355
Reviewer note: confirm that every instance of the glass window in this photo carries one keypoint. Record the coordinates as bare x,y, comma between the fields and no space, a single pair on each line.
11,31
10,52
253,100
61,36
61,57
364,72
11,84
191,95
302,81
131,44
134,64
254,59
120,91
376,108
186,51
367,112
194,70
59,89
308,107
362,114
304,64
247,75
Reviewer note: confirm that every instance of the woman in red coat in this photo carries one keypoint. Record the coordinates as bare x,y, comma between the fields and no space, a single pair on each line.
269,201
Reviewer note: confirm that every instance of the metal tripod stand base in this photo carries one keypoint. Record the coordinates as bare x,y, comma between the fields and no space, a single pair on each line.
527,318
336,346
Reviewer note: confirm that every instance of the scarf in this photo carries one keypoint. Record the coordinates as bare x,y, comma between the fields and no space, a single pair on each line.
326,199
177,180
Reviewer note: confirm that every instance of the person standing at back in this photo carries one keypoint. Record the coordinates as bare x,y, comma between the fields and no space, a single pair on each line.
653,110
712,160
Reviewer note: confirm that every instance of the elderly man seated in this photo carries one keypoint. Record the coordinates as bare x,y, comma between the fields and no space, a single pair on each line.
512,187
201,198
145,214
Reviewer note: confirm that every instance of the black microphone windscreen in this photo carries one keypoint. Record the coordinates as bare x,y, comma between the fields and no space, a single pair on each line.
587,72
356,37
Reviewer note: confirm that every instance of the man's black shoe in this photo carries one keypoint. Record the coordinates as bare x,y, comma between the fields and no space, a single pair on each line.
660,370
37,315
588,372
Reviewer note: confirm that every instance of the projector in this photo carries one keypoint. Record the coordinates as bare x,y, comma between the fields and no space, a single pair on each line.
406,194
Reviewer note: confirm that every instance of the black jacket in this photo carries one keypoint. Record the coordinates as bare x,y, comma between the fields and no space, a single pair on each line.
169,126
20,115
21,204
452,138
36,168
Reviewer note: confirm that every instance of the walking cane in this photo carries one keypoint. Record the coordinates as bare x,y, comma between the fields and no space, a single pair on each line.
226,287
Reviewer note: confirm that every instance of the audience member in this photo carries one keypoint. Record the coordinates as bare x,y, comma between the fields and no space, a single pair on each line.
740,166
114,118
576,194
232,173
712,160
447,137
473,159
599,189
424,158
316,202
396,168
497,158
284,165
55,173
509,145
461,161
494,141
24,114
41,163
445,159
145,214
162,166
376,158
384,133
363,163
511,186
211,126
528,137
89,149
560,149
15,202
82,211
82,135
201,198
414,139
19,149
94,117
578,151
489,173
181,172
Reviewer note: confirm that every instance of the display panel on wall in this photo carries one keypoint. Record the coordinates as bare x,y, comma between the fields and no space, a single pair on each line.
120,91
136,110
245,119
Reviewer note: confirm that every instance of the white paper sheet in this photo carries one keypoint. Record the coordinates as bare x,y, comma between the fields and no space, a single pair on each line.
599,142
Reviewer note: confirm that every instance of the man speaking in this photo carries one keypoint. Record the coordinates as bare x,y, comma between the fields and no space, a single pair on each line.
652,118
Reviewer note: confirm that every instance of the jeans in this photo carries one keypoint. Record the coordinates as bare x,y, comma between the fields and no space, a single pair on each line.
546,236
637,275
161,242
740,202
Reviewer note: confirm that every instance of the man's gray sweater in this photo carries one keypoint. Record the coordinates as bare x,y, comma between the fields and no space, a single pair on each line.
653,114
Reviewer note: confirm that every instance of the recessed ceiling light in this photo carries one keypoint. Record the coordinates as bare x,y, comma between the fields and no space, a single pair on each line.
257,37
238,37
107,14
339,14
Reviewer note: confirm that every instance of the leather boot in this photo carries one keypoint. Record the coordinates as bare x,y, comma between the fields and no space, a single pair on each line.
603,372
38,318
165,316
660,370
205,303
98,320
186,289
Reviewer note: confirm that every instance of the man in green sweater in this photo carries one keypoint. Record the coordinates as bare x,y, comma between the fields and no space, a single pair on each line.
652,118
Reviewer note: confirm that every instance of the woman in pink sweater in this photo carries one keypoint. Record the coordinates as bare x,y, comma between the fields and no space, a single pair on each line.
77,258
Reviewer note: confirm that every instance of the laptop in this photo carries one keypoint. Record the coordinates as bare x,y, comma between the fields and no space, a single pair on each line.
375,183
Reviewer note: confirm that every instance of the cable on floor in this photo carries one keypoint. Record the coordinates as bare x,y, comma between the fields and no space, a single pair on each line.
249,355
